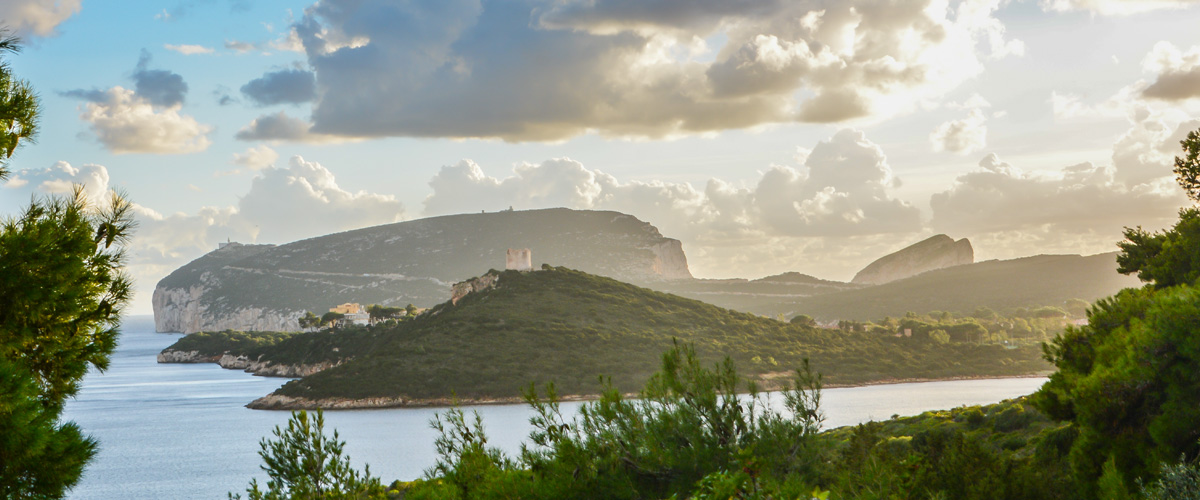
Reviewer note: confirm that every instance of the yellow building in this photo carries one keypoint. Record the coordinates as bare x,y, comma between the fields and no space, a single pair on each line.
348,308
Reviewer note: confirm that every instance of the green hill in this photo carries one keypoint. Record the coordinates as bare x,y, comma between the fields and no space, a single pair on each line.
1042,280
570,327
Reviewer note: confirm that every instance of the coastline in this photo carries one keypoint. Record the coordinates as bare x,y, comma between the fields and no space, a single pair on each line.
289,403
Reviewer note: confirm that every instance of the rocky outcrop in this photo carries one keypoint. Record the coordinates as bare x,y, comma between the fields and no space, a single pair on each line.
255,366
460,290
269,369
280,402
669,261
170,356
936,252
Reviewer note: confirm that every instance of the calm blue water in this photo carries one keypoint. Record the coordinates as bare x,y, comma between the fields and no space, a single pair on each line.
181,431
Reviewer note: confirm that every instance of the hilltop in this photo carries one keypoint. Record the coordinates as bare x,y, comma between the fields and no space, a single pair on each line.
935,252
266,287
570,327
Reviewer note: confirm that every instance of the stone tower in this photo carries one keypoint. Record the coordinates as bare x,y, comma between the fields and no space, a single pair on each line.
519,259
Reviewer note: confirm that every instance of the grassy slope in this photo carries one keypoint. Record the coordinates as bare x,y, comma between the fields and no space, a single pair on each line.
570,327
1001,285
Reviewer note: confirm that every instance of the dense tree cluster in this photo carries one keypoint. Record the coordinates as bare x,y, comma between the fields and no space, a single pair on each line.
62,291
1128,379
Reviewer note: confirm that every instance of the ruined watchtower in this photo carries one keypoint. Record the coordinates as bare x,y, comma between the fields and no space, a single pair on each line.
519,259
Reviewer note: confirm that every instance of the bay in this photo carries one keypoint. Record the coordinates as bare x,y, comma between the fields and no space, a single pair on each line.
181,430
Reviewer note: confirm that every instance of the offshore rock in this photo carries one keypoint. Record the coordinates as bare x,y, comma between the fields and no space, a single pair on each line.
937,252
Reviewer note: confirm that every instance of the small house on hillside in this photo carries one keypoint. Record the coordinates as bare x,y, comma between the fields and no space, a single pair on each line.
354,313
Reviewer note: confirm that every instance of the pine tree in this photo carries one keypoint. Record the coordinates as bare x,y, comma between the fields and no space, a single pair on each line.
62,290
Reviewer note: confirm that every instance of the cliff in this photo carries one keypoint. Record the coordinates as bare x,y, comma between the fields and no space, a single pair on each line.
267,287
937,252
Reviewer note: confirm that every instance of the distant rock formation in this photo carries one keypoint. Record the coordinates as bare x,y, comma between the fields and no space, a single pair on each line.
268,287
936,252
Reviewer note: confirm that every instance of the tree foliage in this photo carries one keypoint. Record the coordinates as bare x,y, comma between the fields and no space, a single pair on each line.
309,320
689,422
1127,379
1187,167
62,290
302,463
1166,258
18,105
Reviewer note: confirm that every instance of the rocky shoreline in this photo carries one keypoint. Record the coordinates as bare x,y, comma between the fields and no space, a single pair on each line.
280,402
255,366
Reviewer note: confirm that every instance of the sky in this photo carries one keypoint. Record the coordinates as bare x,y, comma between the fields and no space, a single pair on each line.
766,135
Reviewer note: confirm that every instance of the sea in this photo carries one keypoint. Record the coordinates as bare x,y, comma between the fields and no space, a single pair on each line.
182,431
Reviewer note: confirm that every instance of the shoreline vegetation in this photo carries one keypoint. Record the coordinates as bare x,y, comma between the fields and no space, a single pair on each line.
571,327
273,402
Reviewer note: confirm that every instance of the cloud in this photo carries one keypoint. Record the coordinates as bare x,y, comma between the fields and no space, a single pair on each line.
124,122
61,178
240,46
1082,198
840,191
281,127
189,50
1066,106
256,158
1115,7
523,71
222,96
37,17
966,135
160,87
961,136
1177,72
289,86
267,213
307,191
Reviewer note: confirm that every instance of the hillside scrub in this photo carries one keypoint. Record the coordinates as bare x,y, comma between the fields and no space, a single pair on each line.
569,327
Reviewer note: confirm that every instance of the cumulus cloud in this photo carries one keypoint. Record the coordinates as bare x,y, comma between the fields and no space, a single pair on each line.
1083,198
840,190
524,71
125,122
282,127
61,178
966,135
160,87
37,17
289,86
256,158
1115,7
1159,112
267,213
189,50
1177,72
307,191
1083,207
